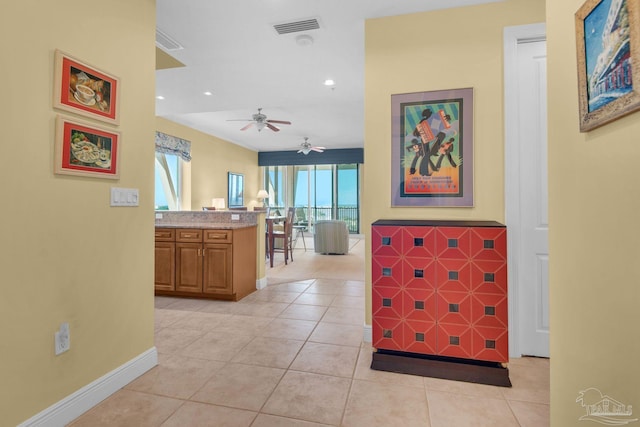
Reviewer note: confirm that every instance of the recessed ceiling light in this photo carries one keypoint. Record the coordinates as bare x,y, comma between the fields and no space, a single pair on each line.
208,93
160,97
329,82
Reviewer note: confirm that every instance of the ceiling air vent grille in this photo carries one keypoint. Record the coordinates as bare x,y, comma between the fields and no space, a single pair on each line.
297,26
166,42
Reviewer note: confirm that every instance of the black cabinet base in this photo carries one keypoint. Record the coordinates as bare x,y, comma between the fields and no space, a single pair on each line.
441,367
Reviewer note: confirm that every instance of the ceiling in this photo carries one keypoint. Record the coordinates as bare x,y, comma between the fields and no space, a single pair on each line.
232,50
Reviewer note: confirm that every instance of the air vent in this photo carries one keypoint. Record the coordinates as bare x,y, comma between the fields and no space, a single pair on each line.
297,26
165,42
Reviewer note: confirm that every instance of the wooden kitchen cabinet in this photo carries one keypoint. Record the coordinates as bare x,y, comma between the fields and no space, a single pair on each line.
217,269
213,263
189,260
165,256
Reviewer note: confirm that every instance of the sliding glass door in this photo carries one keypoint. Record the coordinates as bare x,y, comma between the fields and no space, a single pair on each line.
318,192
347,200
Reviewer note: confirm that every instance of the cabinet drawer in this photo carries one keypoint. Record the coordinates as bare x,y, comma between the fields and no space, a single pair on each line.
218,236
165,234
189,235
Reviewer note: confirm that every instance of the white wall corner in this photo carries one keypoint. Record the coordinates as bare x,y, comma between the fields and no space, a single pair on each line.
367,334
261,283
76,404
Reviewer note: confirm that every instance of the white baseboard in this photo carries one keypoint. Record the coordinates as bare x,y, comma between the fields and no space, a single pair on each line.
367,334
76,404
261,283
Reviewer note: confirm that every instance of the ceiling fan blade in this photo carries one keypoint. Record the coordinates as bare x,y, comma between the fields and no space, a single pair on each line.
282,122
272,127
318,149
301,151
247,126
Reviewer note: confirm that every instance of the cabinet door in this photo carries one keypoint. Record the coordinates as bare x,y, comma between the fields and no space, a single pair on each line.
189,267
165,272
218,269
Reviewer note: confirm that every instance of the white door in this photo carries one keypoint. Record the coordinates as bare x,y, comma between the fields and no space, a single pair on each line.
527,202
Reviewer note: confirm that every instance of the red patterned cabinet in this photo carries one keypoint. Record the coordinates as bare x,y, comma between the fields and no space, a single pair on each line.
439,288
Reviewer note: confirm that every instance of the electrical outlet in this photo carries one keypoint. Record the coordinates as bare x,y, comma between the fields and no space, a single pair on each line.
235,217
62,339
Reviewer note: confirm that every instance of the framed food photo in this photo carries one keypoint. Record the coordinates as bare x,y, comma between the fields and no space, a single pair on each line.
432,149
84,149
608,52
83,89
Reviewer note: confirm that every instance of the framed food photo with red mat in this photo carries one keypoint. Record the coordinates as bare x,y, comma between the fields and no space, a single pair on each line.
83,89
83,149
432,149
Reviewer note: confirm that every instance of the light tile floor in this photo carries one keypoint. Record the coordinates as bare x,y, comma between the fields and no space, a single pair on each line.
291,355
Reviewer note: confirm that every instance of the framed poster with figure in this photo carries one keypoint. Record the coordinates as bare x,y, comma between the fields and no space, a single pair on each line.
432,148
607,37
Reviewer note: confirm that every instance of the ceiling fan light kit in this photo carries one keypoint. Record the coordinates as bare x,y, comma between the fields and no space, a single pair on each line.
306,147
260,121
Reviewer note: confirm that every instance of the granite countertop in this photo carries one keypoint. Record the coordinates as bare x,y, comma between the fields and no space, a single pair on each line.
207,225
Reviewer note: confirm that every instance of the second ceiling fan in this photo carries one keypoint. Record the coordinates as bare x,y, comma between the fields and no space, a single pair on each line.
260,121
306,147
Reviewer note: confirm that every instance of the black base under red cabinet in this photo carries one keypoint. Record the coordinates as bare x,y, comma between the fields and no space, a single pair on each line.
439,299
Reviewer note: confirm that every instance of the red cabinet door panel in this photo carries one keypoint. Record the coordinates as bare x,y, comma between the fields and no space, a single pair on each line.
453,242
387,333
490,310
419,242
386,302
489,277
491,344
453,275
419,337
454,341
386,241
489,243
386,271
419,304
454,307
419,273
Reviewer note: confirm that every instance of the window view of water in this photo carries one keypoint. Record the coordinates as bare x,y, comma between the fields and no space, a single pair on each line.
319,192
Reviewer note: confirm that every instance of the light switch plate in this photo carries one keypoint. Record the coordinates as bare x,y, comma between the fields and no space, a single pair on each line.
124,196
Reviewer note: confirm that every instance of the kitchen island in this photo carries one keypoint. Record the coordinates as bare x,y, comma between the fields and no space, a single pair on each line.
206,254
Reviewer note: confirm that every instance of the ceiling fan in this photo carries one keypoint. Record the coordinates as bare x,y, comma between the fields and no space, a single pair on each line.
260,121
306,147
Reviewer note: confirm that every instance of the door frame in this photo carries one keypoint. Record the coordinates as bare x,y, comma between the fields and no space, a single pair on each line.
513,36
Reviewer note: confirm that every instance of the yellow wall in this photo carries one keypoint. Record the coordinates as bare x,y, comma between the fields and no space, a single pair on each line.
66,255
594,200
425,52
212,158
